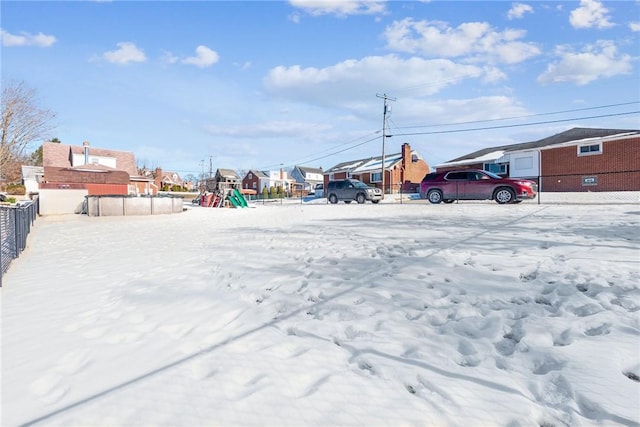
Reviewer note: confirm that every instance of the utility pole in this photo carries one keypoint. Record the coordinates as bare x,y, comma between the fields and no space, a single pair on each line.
210,166
202,184
384,130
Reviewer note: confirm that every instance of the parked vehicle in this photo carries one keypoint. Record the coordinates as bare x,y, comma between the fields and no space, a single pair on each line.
318,191
472,184
348,190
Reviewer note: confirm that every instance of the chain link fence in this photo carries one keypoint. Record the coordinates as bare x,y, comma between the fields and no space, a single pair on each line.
15,225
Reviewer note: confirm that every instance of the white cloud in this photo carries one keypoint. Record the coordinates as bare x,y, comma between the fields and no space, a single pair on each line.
205,57
518,10
351,83
340,7
600,60
169,58
243,65
590,14
126,52
26,39
269,129
634,26
477,41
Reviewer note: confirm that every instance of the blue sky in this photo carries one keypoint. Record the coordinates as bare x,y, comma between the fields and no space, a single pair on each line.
265,84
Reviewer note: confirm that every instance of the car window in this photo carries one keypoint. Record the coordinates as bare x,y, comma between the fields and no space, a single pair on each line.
476,176
456,176
360,184
493,175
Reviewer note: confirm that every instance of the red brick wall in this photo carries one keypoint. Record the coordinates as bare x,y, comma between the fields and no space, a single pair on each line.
248,183
107,189
63,175
616,169
336,176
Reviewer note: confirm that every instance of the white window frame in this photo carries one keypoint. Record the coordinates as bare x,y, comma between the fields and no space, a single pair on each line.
372,179
501,171
590,152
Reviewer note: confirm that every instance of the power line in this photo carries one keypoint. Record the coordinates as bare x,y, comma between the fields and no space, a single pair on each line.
514,125
480,128
333,153
522,117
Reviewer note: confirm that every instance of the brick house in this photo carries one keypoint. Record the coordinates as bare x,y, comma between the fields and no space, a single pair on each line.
580,159
252,180
258,180
403,171
99,171
167,179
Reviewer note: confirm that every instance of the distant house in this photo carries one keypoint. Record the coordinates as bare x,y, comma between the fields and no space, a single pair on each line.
255,180
223,182
306,178
403,171
258,180
579,159
168,179
99,171
31,178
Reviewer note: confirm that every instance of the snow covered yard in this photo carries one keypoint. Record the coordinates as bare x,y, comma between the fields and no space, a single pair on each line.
322,315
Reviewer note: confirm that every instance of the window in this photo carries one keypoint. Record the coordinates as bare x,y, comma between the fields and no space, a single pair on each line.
456,176
524,163
255,185
250,176
588,150
331,177
499,168
375,177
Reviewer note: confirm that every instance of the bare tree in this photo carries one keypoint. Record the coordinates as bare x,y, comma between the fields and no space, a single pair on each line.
23,123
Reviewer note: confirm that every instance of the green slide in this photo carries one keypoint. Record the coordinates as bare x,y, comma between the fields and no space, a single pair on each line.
240,197
234,201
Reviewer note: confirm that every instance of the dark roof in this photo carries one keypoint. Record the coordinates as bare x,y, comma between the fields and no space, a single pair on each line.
559,138
259,174
305,170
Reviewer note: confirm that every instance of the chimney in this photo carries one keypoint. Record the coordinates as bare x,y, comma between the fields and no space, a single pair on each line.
406,155
85,145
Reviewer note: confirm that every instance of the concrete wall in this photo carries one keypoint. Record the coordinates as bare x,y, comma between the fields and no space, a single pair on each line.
124,206
59,202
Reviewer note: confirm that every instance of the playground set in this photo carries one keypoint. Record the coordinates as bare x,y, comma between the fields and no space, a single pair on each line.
217,199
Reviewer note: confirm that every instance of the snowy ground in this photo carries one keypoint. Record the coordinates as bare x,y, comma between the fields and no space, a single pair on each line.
322,315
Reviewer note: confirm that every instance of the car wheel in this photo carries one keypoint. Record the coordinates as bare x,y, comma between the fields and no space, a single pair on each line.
434,196
360,198
347,201
333,199
448,201
375,201
504,195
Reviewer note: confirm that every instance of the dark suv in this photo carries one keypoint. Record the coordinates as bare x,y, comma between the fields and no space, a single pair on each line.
352,189
472,184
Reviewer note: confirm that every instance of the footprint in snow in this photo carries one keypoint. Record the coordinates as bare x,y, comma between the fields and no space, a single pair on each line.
603,329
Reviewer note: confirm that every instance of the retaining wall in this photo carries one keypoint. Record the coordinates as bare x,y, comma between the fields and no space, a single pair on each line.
126,206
